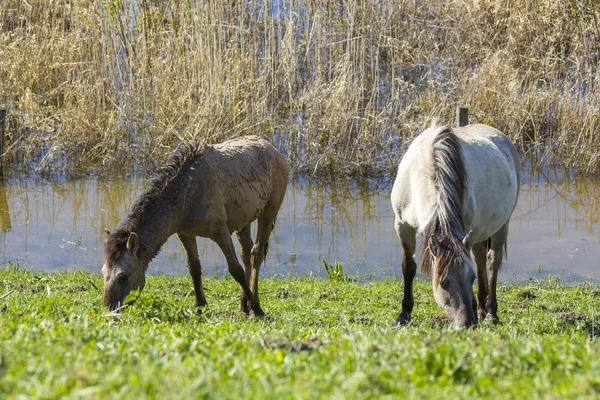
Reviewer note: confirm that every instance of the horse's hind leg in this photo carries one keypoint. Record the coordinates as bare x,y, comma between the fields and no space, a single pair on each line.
193,264
480,254
497,247
223,238
259,250
408,240
245,240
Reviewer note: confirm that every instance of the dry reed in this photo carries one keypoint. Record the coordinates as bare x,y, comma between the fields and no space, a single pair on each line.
341,87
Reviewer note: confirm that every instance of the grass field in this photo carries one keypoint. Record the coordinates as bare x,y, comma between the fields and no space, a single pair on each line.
323,339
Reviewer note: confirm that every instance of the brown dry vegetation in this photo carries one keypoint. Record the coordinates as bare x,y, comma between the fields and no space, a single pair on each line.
341,87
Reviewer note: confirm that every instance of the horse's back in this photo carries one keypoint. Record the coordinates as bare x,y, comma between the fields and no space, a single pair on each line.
257,161
493,170
480,134
239,180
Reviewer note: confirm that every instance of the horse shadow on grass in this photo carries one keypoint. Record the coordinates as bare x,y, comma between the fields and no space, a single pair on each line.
581,322
291,345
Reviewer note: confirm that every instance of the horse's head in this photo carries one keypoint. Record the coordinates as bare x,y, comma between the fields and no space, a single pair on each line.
123,270
453,280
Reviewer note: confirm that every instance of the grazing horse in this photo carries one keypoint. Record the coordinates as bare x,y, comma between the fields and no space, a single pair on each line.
207,191
458,188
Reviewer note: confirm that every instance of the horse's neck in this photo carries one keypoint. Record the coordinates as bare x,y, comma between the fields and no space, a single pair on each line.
153,240
155,231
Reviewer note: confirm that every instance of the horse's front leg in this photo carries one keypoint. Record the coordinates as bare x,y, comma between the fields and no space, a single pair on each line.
193,264
409,269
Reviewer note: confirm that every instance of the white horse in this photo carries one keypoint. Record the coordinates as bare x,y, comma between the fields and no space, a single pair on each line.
450,183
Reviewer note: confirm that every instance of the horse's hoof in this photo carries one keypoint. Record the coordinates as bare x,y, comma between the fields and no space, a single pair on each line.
244,304
259,313
481,316
264,317
201,304
493,318
403,319
245,309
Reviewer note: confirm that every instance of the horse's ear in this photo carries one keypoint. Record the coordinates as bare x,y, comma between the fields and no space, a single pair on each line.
133,243
468,240
434,245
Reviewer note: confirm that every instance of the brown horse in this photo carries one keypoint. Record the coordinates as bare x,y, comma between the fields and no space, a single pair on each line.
207,191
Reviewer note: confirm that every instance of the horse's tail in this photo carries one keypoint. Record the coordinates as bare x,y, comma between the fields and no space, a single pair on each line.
267,244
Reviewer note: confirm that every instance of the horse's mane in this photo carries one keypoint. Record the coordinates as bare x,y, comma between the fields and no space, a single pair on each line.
449,177
177,163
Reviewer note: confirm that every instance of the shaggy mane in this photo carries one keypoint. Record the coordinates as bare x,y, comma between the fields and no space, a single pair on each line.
449,176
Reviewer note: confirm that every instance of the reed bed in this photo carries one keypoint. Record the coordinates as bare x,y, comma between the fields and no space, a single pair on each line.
340,87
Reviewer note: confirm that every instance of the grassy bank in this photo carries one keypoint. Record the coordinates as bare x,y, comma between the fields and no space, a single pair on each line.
341,87
324,339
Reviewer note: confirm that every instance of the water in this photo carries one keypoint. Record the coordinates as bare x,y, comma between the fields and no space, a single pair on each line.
48,226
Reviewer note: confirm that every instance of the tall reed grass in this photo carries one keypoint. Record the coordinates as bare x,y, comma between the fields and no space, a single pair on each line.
340,86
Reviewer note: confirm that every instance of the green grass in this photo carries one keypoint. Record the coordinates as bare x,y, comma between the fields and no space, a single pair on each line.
324,339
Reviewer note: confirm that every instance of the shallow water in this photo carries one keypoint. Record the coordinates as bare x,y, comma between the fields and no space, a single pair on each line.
48,226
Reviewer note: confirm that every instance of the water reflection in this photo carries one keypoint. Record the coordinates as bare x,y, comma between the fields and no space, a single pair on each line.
48,226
